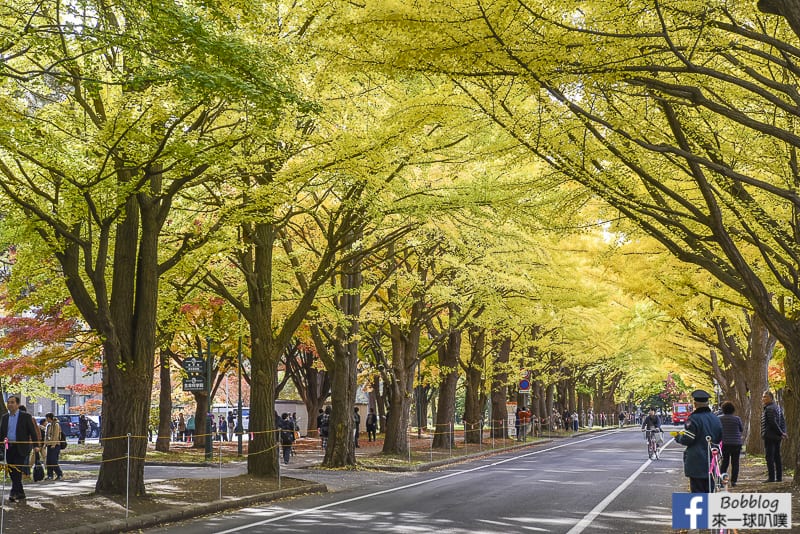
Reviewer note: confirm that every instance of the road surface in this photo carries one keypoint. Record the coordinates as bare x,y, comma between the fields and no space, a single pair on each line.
601,482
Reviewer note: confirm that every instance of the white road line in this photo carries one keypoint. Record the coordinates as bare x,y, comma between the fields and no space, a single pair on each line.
597,510
400,488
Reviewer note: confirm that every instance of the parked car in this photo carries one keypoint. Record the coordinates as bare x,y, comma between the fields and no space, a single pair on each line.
69,424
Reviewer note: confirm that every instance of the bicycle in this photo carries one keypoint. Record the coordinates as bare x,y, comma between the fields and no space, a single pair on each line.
652,443
717,481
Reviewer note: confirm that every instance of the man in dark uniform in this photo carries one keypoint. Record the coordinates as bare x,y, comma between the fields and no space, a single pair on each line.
700,424
19,429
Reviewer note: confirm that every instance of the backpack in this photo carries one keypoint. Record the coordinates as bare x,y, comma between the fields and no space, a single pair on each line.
38,469
287,432
324,424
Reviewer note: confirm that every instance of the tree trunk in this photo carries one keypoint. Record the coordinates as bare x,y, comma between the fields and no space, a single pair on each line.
445,414
572,396
762,346
474,395
341,447
790,449
500,389
743,376
396,440
262,458
164,404
128,327
340,451
422,416
124,422
200,415
537,400
379,395
405,349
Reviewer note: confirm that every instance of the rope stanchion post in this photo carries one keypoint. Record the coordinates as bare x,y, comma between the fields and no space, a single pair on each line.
278,459
128,478
220,470
450,438
3,497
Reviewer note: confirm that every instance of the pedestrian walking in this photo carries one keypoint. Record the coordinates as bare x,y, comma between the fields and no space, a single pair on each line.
231,425
52,440
732,429
372,425
700,424
19,429
286,436
222,428
190,428
324,426
181,427
83,428
524,421
773,430
356,426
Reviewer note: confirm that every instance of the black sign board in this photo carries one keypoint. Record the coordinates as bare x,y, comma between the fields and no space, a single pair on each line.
194,365
194,384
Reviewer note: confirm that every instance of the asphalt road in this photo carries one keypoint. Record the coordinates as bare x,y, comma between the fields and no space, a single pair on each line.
600,482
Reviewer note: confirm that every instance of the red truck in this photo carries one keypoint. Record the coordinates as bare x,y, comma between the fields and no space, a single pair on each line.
680,412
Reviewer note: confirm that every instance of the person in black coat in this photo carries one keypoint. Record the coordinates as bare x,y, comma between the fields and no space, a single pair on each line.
21,436
286,426
732,429
773,430
372,426
83,427
700,425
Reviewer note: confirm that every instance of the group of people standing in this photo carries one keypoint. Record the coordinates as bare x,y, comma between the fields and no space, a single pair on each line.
324,422
185,430
727,429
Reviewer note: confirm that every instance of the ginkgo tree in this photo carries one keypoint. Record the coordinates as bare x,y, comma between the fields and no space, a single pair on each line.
116,118
681,116
739,346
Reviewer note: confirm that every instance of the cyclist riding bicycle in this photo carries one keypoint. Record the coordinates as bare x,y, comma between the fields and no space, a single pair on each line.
651,423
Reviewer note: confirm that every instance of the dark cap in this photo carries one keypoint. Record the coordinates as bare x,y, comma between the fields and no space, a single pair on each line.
700,396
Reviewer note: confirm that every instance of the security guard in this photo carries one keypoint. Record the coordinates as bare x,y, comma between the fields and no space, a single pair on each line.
700,424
